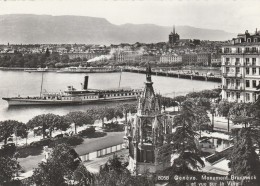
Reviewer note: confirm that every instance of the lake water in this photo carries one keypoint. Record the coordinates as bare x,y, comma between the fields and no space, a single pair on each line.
14,83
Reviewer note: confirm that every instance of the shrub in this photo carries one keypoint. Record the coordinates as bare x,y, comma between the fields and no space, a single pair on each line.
41,143
24,152
74,140
70,140
35,148
8,150
114,127
13,182
87,132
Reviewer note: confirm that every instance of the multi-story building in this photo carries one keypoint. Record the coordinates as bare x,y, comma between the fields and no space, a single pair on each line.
241,68
82,55
204,59
127,56
170,58
215,60
189,58
150,58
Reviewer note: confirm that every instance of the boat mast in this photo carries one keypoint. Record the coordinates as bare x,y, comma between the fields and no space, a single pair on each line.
120,79
41,86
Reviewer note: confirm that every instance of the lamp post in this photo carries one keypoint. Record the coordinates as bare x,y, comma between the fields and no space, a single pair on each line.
15,135
16,155
212,111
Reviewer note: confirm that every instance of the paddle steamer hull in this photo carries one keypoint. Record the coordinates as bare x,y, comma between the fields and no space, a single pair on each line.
25,101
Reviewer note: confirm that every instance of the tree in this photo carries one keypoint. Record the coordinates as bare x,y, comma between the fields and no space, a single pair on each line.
203,103
119,112
83,176
209,94
243,160
8,169
182,141
126,108
167,101
10,127
114,164
78,118
254,109
101,114
92,114
179,100
223,109
202,120
63,124
46,122
59,167
129,108
47,53
239,114
115,173
109,113
213,107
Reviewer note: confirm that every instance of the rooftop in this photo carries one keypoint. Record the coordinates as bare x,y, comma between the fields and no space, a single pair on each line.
243,44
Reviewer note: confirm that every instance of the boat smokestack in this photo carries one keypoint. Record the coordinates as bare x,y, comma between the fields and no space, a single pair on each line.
86,83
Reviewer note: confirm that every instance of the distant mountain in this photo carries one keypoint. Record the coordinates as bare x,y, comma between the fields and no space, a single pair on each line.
27,28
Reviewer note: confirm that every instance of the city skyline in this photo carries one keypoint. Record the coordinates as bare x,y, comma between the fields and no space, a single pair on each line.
200,14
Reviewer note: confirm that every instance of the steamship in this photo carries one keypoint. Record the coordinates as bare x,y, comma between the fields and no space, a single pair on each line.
37,70
81,69
73,96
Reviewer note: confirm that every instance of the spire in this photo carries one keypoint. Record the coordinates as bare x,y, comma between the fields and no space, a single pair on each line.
173,29
148,73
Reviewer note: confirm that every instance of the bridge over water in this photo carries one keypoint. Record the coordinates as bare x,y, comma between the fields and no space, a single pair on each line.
202,77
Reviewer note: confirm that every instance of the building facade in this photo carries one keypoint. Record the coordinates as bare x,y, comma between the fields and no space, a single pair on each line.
241,69
127,56
82,55
170,58
146,133
204,59
150,58
190,59
215,60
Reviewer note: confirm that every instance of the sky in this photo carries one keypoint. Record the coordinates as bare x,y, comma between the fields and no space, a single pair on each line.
234,16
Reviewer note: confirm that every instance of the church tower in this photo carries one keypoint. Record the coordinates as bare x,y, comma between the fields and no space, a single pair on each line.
146,134
173,37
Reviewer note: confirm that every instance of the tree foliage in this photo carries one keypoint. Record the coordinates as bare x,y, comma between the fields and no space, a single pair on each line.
182,142
243,160
115,173
209,94
31,60
46,122
59,168
8,169
78,118
83,176
240,113
167,101
10,127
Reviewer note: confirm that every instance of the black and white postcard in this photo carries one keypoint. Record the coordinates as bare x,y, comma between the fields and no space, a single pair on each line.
129,93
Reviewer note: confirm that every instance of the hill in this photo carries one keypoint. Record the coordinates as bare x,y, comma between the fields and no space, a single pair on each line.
27,28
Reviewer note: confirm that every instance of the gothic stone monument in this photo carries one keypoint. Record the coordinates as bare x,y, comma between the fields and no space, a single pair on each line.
146,132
